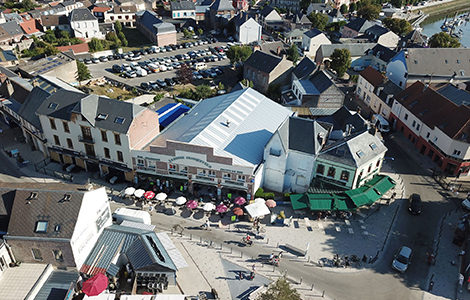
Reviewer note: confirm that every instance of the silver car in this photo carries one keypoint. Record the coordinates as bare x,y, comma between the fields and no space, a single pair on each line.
402,259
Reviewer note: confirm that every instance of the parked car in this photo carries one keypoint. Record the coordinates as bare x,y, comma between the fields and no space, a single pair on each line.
95,60
87,61
161,83
402,259
415,204
130,74
103,59
466,204
117,68
169,81
145,85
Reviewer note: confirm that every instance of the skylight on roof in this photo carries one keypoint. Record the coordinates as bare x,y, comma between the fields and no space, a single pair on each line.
102,116
53,105
360,154
119,120
373,146
41,226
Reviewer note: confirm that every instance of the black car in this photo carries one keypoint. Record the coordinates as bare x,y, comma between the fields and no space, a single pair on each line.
415,204
176,80
169,81
145,85
179,56
161,83
168,48
117,56
174,47
117,69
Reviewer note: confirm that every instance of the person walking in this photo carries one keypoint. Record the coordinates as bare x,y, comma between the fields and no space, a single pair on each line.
252,273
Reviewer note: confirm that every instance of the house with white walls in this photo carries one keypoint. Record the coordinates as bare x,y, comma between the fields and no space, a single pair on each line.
84,24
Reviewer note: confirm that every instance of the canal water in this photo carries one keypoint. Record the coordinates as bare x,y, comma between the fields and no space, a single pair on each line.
433,25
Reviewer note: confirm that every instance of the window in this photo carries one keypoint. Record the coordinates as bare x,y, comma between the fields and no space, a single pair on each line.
211,173
344,175
53,105
104,136
69,143
370,168
331,172
428,134
373,146
241,178
119,120
417,127
378,163
184,169
171,167
57,228
102,117
119,156
56,140
36,254
406,116
41,227
106,153
58,255
117,139
360,154
414,123
275,152
201,172
320,169
140,162
457,152
445,60
226,176
66,126
52,124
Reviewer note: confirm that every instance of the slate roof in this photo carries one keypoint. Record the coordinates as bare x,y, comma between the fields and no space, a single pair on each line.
321,81
354,150
182,5
90,107
304,68
360,25
150,20
435,110
342,117
47,207
382,52
31,104
12,28
7,197
313,33
356,49
372,76
415,37
262,61
121,9
53,20
301,18
389,88
253,118
376,30
81,14
241,18
302,135
222,5
266,11
56,285
454,94
142,247
319,6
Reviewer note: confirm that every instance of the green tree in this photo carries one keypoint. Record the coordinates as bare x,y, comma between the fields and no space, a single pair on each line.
82,72
122,38
187,33
343,9
340,61
280,290
200,31
63,34
239,53
221,86
335,26
352,7
369,12
117,26
247,83
203,91
293,53
28,5
112,37
274,91
95,45
443,40
49,37
318,20
399,26
398,3
158,97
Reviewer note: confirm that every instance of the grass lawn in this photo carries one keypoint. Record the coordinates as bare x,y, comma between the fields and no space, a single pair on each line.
446,7
135,39
111,92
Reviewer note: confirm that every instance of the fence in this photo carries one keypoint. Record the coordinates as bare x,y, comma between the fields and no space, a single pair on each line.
453,185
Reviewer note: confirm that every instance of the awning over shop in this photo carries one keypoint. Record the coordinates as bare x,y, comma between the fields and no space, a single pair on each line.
257,209
367,194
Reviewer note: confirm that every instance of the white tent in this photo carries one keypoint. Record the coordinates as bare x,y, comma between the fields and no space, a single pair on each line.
102,296
257,209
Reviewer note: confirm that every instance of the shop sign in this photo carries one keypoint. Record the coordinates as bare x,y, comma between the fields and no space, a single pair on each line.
190,158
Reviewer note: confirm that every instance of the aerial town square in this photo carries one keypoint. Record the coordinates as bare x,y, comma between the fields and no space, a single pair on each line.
234,149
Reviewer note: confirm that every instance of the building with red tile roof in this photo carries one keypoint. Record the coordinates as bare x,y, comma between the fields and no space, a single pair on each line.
77,49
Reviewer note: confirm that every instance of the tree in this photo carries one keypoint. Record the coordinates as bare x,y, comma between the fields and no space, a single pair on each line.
318,20
185,74
239,53
352,7
443,40
203,91
369,12
343,9
335,26
340,61
274,91
117,26
122,38
200,31
28,5
293,53
95,45
63,34
247,83
398,3
220,86
399,26
82,72
280,290
187,33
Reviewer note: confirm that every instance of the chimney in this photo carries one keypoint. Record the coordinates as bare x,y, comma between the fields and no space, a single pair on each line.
321,138
278,51
349,129
379,89
358,109
373,130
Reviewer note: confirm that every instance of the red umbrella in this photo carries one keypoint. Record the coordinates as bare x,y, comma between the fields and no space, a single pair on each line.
95,285
238,211
240,200
191,204
270,203
221,208
149,195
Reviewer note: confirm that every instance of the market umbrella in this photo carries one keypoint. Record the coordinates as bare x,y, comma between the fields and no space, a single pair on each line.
221,208
208,207
240,200
191,204
139,193
260,200
161,196
95,285
180,200
270,203
129,191
149,195
238,211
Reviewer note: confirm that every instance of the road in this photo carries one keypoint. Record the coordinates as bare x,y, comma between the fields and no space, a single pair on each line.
104,68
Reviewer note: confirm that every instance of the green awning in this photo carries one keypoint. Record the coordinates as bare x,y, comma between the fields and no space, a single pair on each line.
299,201
342,202
372,191
320,201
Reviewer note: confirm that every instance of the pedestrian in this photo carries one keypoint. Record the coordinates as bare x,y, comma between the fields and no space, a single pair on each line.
208,224
150,209
271,257
252,274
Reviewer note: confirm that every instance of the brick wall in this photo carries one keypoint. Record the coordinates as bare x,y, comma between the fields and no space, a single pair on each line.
23,252
166,39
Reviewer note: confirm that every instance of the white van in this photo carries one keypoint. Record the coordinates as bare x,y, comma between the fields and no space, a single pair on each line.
199,66
132,215
141,72
380,123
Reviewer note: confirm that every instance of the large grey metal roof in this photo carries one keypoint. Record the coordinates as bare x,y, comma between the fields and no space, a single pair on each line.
57,285
236,125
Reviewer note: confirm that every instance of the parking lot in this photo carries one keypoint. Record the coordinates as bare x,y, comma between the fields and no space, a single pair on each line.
101,69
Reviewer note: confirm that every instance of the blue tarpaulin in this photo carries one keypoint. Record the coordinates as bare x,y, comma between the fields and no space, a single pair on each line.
170,112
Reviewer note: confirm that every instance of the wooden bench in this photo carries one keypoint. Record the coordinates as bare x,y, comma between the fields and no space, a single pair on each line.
297,250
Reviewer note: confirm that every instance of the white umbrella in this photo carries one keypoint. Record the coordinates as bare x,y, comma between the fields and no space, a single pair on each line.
139,193
208,207
180,200
260,200
161,196
129,191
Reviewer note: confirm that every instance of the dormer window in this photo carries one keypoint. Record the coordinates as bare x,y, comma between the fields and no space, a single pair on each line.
102,116
33,195
53,105
360,154
57,228
119,120
41,227
66,197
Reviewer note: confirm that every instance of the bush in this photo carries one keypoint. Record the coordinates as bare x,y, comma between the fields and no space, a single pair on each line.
259,193
286,197
269,195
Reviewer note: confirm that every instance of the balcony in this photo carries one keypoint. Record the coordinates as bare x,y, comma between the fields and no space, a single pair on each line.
86,139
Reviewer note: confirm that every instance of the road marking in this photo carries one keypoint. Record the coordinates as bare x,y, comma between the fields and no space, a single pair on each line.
338,229
363,227
347,222
361,214
361,221
365,233
351,231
